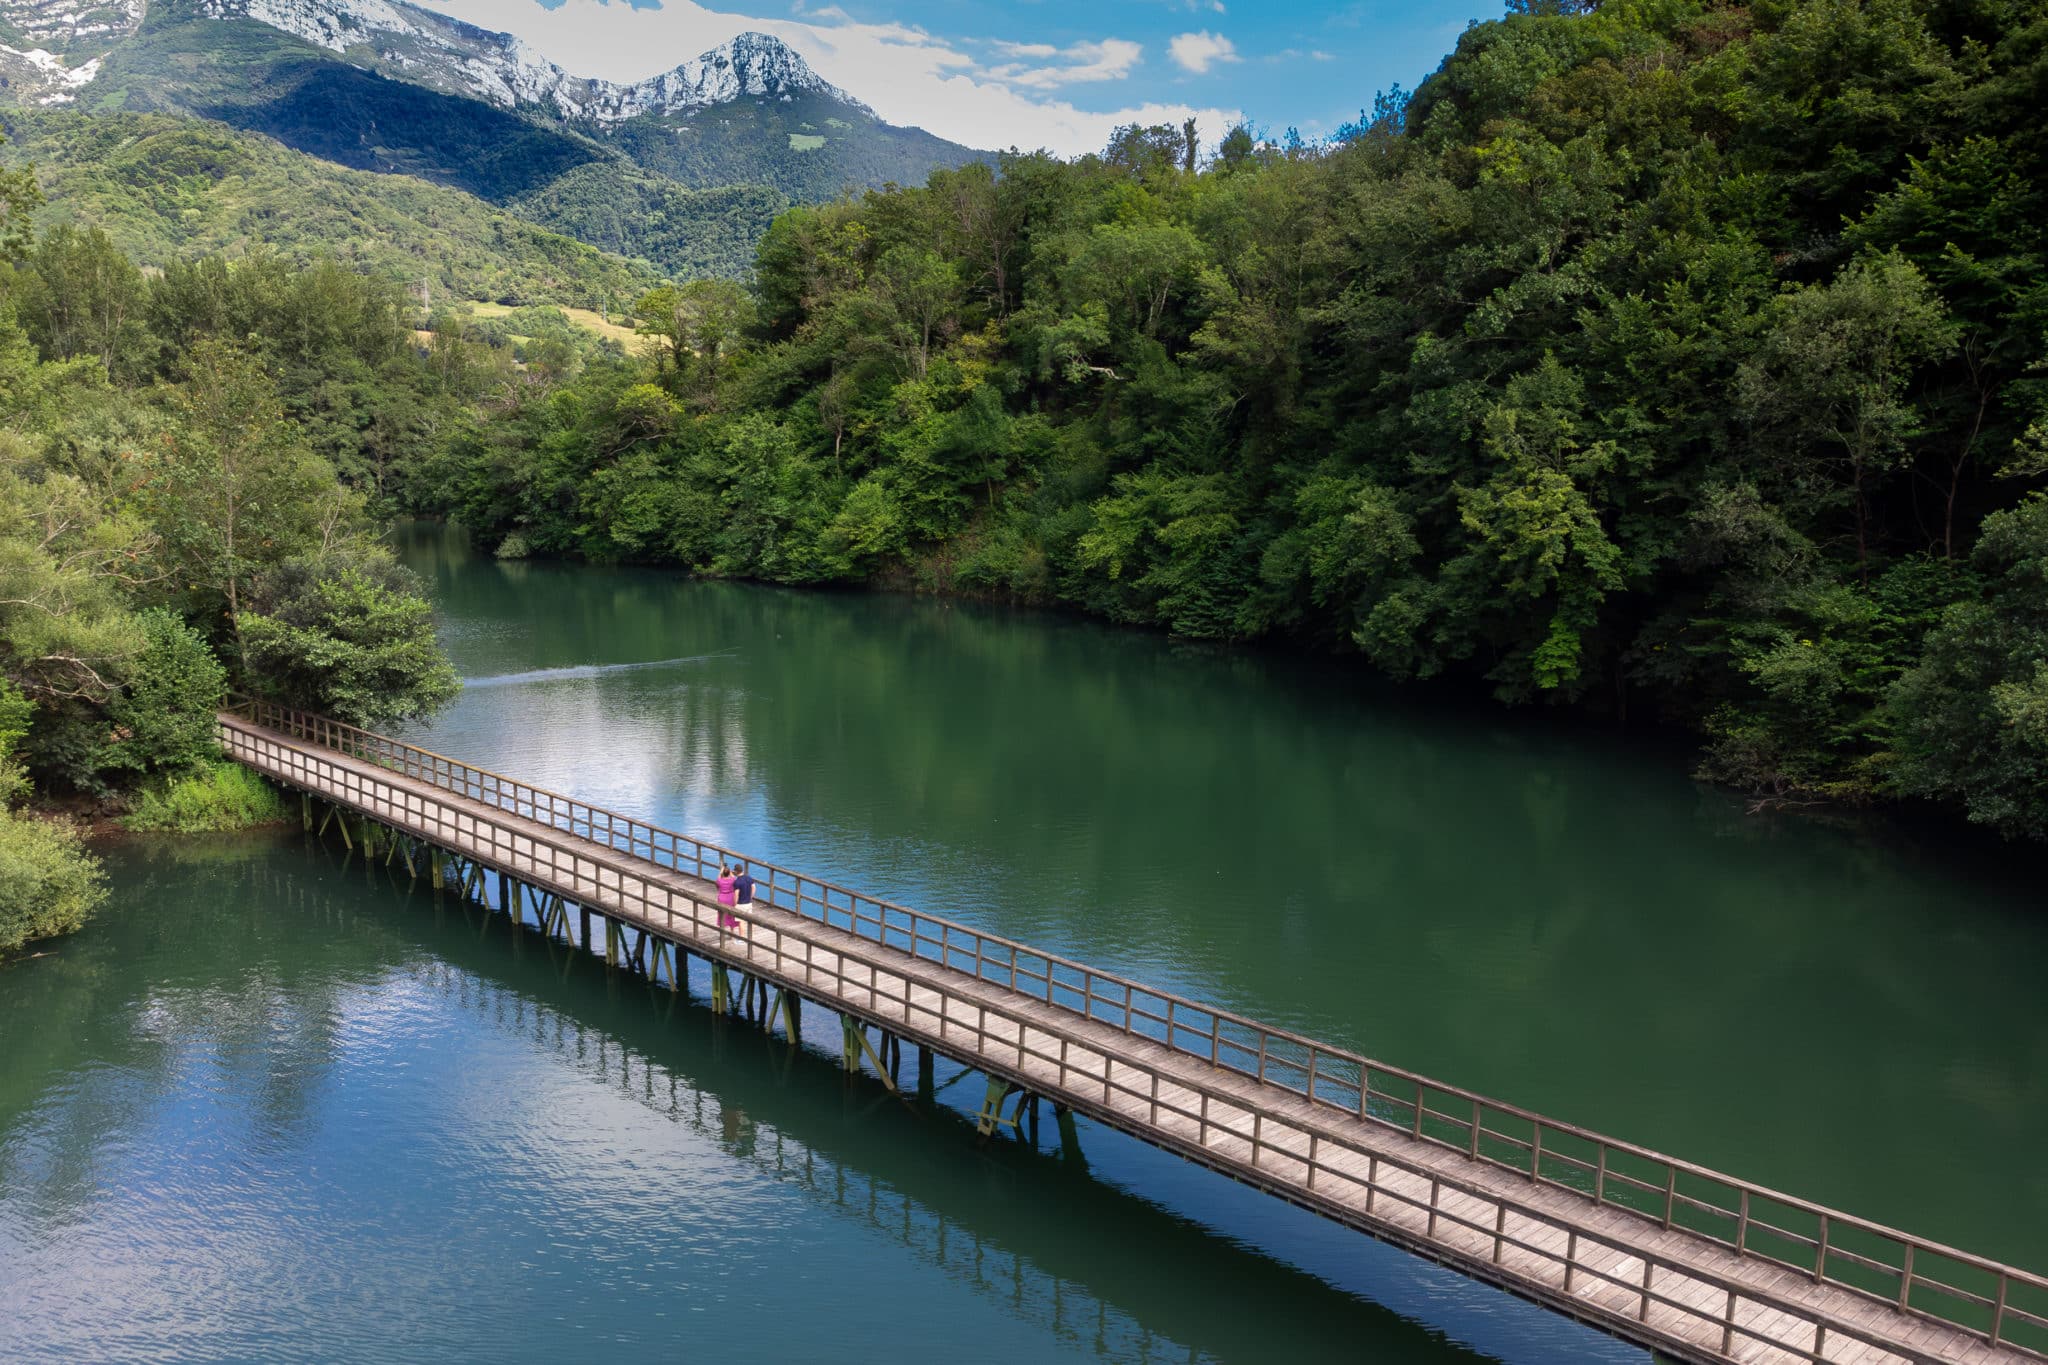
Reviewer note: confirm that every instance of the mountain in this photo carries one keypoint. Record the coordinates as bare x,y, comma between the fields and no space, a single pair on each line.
413,44
381,85
170,188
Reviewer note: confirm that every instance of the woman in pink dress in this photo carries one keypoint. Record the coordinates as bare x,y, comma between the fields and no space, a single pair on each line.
725,883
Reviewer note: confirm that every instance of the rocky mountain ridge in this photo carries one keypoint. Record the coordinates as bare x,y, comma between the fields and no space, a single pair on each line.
51,49
434,50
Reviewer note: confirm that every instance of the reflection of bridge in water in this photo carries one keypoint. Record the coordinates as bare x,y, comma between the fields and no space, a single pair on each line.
1688,1261
760,1109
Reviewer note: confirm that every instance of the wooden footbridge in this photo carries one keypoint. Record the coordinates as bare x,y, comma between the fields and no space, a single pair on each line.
1691,1263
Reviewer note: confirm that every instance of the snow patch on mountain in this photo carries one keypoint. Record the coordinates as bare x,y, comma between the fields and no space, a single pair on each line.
435,50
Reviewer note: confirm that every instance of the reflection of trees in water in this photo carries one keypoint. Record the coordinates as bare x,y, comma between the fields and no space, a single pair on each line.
90,1061
1529,912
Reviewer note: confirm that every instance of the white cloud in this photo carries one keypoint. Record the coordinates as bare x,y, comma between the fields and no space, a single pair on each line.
1197,52
906,74
1109,60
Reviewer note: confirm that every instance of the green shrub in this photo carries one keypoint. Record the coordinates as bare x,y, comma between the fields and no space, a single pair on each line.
212,798
49,884
165,718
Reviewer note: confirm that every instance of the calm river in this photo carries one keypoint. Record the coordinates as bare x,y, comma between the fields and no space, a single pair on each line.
270,1107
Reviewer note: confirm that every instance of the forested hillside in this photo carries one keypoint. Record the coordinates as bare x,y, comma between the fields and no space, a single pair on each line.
661,171
1677,358
191,464
166,189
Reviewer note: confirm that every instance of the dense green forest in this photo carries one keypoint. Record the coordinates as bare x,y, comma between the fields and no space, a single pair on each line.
167,189
692,234
1678,358
809,148
173,525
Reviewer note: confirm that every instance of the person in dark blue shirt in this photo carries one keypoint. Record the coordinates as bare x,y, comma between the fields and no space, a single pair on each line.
742,891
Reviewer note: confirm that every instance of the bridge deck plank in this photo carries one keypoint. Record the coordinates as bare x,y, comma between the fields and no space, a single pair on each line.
1221,1116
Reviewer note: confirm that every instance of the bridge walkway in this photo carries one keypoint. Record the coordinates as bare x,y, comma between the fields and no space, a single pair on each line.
1695,1265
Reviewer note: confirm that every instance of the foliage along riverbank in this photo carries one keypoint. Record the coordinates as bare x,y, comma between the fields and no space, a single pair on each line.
171,529
1681,357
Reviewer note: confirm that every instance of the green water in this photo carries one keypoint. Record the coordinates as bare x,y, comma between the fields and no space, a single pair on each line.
271,1107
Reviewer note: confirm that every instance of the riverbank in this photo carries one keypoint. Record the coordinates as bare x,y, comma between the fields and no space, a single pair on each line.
1603,718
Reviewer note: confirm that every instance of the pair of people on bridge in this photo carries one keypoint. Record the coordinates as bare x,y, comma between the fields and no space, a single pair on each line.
735,888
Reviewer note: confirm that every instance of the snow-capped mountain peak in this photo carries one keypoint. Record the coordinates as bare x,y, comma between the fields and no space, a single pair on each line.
431,49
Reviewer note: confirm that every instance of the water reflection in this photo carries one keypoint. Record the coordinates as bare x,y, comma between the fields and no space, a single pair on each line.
1547,916
294,1113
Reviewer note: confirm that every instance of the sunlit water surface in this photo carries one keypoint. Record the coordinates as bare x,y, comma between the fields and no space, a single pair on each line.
271,1107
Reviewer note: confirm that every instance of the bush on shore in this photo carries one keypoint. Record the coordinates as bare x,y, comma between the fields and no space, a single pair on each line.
49,883
211,798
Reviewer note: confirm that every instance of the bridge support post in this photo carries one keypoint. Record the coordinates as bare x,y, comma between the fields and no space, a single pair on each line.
925,1089
505,898
438,868
856,1042
306,811
721,989
992,1109
792,1024
1070,1139
369,838
611,942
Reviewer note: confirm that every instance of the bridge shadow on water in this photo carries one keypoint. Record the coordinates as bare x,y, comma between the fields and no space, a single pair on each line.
1122,1251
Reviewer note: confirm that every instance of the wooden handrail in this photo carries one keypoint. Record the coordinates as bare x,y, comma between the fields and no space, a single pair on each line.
1004,961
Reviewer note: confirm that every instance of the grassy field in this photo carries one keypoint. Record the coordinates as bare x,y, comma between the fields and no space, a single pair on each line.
589,319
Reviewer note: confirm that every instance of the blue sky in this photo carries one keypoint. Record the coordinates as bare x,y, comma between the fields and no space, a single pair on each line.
1056,73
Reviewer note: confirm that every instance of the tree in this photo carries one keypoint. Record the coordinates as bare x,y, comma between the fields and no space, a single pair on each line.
1972,715
919,289
164,716
694,329
15,711
1835,368
233,488
86,298
351,640
20,197
66,562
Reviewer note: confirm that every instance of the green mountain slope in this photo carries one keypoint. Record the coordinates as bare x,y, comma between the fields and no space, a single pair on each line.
689,233
810,148
167,187
254,77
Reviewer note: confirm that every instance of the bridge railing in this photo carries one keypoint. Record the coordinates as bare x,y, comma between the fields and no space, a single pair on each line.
2001,1303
